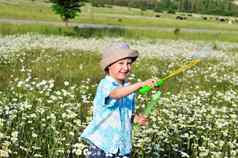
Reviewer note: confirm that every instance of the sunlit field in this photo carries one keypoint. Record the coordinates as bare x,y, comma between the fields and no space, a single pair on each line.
47,85
123,16
49,74
24,16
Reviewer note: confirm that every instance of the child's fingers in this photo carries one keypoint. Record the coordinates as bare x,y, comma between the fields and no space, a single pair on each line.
144,123
141,119
150,82
144,120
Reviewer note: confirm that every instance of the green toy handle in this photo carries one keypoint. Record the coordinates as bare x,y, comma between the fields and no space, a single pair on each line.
146,89
152,105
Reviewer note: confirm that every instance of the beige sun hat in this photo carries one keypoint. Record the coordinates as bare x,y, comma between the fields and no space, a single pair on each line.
115,52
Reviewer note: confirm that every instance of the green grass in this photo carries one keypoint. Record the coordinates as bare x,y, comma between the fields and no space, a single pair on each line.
117,10
9,29
75,66
140,34
163,22
27,10
39,10
48,64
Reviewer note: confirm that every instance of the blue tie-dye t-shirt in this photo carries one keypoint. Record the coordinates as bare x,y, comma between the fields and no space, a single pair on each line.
110,128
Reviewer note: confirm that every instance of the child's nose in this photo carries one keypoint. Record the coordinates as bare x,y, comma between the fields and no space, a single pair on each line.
126,67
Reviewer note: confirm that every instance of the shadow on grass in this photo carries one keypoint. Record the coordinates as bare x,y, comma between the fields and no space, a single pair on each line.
85,31
88,32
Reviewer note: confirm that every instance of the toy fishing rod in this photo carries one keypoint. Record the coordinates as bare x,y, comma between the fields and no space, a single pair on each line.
145,89
153,103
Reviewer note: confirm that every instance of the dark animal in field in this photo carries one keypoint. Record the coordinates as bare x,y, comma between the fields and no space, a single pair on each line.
157,15
181,17
221,19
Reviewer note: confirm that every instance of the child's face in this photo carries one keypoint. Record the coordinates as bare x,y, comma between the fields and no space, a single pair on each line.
120,69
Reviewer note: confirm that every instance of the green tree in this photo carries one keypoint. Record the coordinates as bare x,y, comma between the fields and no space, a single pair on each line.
67,9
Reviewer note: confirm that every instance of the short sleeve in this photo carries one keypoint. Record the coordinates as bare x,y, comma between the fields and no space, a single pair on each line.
105,89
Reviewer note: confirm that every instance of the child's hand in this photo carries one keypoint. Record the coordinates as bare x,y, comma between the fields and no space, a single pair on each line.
149,82
141,119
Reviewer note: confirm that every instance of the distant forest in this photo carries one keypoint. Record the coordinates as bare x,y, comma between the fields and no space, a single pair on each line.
212,7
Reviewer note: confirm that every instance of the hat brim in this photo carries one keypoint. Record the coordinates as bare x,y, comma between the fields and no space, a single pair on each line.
121,54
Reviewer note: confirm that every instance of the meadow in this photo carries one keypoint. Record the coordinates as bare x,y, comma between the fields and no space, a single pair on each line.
48,84
49,74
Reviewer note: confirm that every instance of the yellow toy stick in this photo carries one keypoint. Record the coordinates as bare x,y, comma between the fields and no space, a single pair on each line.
181,69
146,89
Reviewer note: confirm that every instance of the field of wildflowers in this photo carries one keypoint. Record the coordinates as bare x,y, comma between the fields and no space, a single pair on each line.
47,85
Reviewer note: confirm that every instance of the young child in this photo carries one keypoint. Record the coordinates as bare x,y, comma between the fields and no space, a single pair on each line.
109,133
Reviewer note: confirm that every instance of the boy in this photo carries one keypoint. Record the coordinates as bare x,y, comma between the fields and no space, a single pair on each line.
109,133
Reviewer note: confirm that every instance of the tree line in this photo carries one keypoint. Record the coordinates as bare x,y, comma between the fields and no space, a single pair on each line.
213,7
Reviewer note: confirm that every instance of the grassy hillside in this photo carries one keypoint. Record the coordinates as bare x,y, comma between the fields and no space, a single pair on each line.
143,24
27,9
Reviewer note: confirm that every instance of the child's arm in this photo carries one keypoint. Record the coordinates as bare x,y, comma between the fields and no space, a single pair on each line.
124,91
